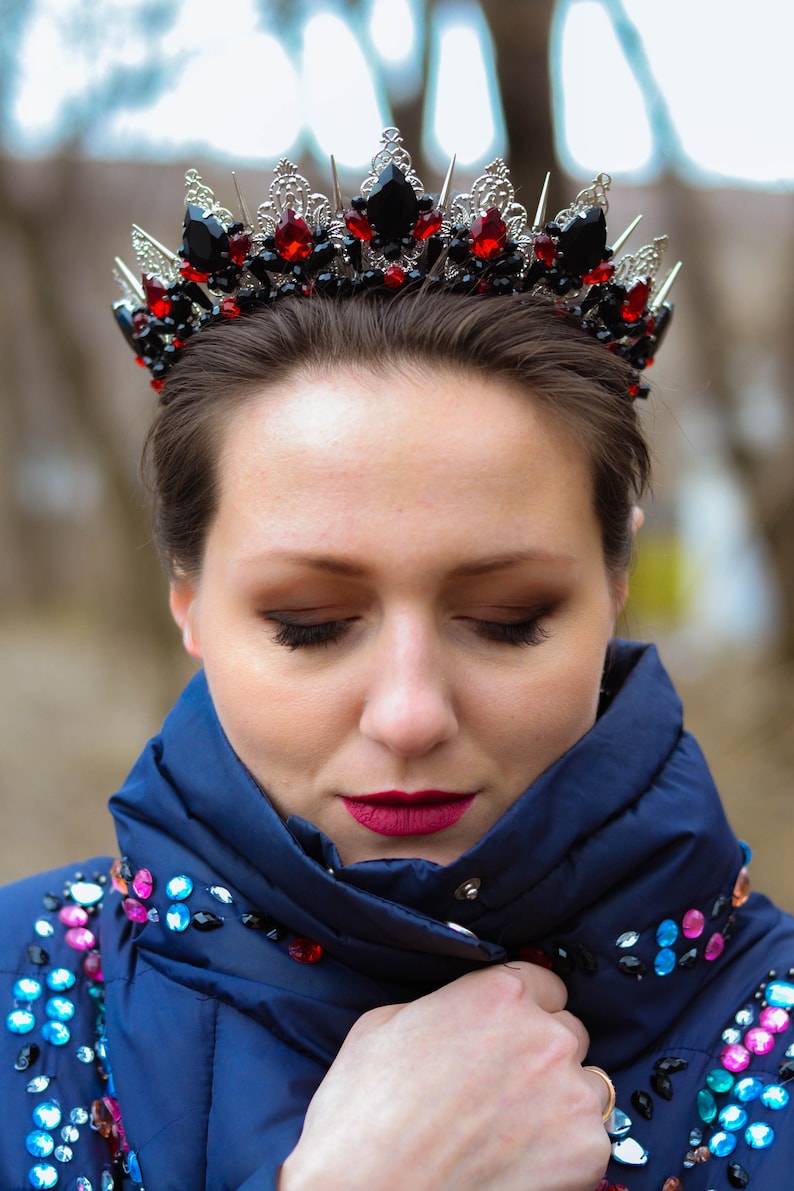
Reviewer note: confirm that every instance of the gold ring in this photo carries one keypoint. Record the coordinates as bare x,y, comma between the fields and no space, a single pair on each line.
610,1108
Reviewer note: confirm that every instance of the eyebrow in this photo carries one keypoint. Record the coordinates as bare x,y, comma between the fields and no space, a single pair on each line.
482,566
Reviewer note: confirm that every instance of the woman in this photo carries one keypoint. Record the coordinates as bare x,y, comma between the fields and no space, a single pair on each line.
421,849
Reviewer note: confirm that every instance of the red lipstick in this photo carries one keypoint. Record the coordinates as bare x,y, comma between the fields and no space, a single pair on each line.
397,812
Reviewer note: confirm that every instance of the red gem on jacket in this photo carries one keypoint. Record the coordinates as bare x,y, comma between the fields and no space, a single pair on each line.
488,235
293,237
305,951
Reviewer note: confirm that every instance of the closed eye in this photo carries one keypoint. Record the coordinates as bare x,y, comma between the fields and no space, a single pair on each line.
296,635
520,632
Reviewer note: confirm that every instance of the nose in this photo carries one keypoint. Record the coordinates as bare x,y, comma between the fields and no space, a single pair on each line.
408,705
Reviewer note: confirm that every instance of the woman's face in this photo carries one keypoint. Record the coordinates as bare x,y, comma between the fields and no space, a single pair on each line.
403,610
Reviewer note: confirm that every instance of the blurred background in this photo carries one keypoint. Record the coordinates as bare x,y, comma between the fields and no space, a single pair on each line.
104,103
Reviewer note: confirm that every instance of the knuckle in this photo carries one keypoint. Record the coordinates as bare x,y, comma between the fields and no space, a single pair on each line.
562,1043
373,1019
504,985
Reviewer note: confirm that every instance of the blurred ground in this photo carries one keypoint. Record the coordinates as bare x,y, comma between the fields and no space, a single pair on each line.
77,705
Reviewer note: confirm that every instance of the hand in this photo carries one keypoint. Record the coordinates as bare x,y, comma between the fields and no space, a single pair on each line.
476,1087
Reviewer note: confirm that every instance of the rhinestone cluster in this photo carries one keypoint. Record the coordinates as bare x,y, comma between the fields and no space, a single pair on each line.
680,943
44,1000
391,237
137,886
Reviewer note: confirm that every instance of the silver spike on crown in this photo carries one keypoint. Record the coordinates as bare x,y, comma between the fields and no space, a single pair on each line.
392,238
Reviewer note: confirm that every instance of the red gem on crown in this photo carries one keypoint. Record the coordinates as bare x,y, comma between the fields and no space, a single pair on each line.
190,273
488,235
293,237
239,247
545,249
156,294
357,223
635,301
394,276
428,224
600,273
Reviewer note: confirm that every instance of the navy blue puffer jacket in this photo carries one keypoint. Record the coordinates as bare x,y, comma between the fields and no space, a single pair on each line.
167,1028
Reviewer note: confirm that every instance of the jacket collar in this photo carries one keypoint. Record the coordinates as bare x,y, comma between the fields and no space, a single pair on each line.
623,832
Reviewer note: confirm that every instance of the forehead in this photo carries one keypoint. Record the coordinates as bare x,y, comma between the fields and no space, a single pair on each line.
325,451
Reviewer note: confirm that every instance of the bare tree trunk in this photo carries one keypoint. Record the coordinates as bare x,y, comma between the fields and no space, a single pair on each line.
521,33
143,608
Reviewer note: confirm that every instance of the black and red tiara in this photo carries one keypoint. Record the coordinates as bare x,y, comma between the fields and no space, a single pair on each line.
393,237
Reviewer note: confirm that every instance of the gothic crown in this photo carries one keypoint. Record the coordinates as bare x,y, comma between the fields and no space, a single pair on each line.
392,237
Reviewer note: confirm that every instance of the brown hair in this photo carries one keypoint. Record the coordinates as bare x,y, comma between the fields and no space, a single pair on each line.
525,340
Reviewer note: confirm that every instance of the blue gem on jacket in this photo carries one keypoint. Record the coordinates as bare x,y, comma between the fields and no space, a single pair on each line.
21,1021
177,917
179,887
42,1176
39,1143
60,979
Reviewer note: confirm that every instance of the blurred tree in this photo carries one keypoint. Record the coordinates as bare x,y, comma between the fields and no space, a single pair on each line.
98,34
762,464
29,227
521,35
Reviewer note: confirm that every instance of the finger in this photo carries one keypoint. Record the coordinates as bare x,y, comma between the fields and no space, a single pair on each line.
577,1029
605,1089
545,989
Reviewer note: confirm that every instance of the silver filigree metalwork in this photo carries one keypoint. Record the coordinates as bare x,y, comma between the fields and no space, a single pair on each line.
594,195
290,190
392,152
154,258
203,196
644,263
493,188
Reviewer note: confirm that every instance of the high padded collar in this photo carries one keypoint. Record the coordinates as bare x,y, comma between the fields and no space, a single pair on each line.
623,831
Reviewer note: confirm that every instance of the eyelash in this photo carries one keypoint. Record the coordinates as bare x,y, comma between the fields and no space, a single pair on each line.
301,636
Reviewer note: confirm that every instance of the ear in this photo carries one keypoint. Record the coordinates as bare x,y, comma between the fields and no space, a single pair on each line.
182,601
620,586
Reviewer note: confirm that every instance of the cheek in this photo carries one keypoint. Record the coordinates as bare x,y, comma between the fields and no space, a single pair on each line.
282,728
534,721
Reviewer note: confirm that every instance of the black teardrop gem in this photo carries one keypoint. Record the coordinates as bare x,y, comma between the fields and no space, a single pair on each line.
52,902
663,318
562,961
662,1085
786,1070
37,955
206,920
737,1175
27,1056
669,1065
205,244
392,205
587,961
632,965
123,317
689,958
643,1104
583,240
274,930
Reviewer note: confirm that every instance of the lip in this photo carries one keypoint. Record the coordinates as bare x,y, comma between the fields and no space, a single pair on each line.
399,812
